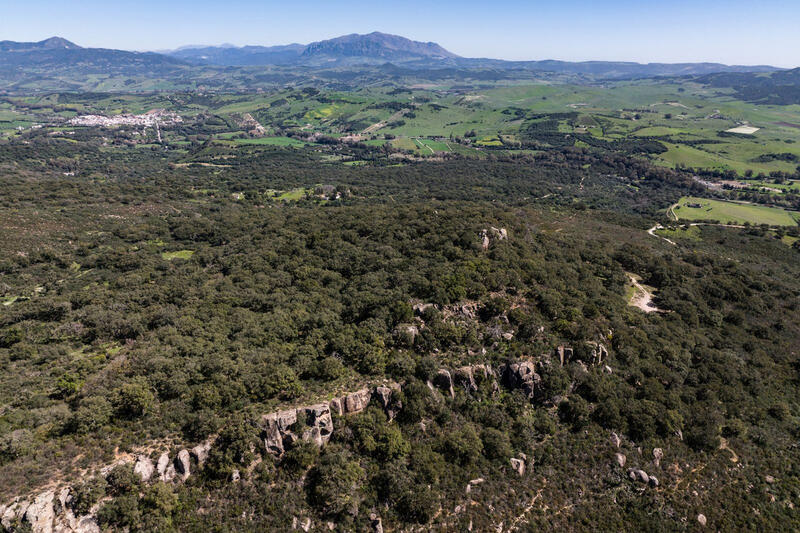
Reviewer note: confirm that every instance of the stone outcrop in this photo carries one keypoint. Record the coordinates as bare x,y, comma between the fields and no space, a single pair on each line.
492,234
522,376
52,511
444,381
144,468
183,464
518,464
565,354
620,459
658,454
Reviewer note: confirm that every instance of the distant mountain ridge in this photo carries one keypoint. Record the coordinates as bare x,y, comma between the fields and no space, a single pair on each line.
48,44
58,64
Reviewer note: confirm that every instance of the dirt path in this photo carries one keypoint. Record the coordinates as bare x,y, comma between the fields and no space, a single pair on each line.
642,297
652,231
423,145
382,124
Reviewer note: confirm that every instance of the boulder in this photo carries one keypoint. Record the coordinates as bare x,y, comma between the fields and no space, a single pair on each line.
522,376
183,464
356,401
518,465
444,381
615,440
235,476
162,465
376,523
638,475
465,377
144,467
273,440
201,451
653,481
701,518
40,513
384,396
621,459
658,454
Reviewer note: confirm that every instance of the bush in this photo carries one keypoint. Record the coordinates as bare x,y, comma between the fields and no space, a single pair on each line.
134,399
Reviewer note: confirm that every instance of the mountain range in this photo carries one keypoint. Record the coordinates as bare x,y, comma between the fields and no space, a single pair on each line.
58,64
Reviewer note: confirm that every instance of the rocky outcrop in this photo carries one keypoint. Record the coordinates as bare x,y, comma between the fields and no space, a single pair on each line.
658,454
518,464
635,474
465,377
522,376
183,464
491,235
565,354
444,381
144,468
620,459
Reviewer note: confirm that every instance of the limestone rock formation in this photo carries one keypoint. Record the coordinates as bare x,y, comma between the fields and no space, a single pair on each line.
444,381
144,468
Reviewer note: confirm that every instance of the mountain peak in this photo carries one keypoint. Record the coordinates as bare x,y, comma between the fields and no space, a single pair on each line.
53,43
376,45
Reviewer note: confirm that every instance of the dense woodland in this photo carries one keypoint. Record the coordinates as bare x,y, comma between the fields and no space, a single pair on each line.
159,297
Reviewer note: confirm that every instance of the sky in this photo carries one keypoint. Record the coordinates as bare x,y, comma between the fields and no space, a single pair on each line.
726,31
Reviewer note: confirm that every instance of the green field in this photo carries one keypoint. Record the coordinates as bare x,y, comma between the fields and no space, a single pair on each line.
271,141
733,213
180,254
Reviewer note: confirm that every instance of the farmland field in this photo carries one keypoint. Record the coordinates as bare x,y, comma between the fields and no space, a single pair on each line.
733,213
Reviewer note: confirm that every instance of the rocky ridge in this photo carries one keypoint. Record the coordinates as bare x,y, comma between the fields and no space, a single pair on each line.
52,510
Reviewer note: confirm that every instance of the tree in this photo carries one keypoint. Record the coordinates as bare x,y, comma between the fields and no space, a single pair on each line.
333,485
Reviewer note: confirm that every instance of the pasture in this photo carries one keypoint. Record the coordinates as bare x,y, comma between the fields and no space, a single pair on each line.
705,210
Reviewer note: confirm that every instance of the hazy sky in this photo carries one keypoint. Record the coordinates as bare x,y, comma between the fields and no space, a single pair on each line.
727,31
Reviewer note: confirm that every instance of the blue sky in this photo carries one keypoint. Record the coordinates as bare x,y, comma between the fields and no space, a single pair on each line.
729,31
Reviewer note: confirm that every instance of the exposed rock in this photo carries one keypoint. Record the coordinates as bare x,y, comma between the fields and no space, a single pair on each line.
318,417
653,481
500,233
769,479
235,476
40,513
444,380
702,519
658,454
144,467
621,459
464,377
15,511
273,440
377,523
607,369
565,354
201,451
518,465
356,402
419,309
615,440
336,406
161,465
384,396
170,473
183,464
638,475
522,376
